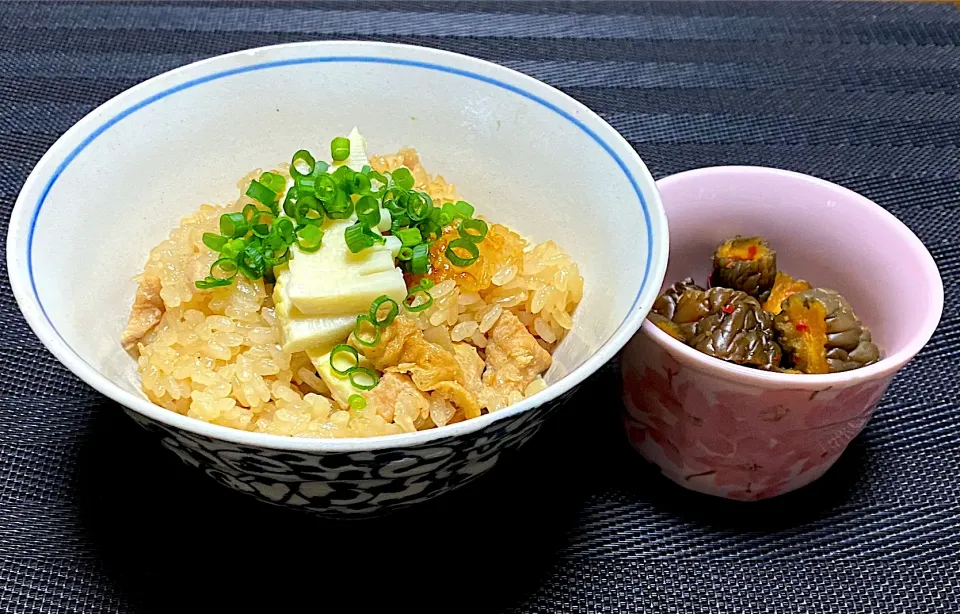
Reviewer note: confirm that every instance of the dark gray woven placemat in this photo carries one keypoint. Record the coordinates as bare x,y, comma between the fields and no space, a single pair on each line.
94,516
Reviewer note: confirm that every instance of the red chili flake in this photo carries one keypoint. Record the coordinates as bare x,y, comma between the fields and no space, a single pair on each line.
727,309
752,252
802,327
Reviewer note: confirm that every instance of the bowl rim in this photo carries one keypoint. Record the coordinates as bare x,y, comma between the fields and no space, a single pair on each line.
125,103
886,366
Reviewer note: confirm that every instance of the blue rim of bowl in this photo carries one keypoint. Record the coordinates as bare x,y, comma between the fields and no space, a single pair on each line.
102,128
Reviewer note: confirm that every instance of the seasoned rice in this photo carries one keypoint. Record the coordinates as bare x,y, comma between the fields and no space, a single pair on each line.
216,354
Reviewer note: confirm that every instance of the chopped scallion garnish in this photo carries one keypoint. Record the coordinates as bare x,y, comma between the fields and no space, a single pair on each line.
462,245
368,210
309,237
224,269
252,262
368,336
262,194
420,260
302,164
344,352
212,282
340,207
274,182
392,311
356,401
340,148
417,299
214,241
403,178
464,209
233,225
473,230
363,378
417,207
356,239
409,236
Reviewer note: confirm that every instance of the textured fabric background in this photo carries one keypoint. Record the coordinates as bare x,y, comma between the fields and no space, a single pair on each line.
95,517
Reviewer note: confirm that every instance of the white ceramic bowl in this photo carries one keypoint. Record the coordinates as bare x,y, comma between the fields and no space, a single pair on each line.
522,152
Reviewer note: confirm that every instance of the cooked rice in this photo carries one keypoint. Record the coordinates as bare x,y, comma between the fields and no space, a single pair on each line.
216,355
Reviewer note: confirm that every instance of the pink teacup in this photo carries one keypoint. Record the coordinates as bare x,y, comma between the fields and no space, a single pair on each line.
741,433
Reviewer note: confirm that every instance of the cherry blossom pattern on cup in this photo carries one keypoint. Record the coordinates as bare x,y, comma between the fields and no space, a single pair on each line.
737,442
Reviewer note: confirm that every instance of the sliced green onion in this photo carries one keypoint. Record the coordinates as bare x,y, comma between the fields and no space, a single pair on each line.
356,239
224,268
417,299
260,222
426,283
392,202
398,222
251,262
359,334
368,210
249,211
290,201
376,236
466,245
360,184
473,230
325,187
343,176
306,185
261,193
309,238
417,207
405,254
340,148
464,208
449,213
284,229
420,262
356,401
212,282
276,259
344,349
308,210
403,178
340,207
431,231
374,175
302,164
214,241
233,225
274,182
392,312
409,236
363,378
234,248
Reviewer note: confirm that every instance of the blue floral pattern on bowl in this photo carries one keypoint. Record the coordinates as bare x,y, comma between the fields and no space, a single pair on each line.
350,483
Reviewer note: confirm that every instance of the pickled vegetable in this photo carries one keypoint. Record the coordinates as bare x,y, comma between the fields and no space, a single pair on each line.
783,288
666,303
737,330
696,303
668,326
820,333
745,264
